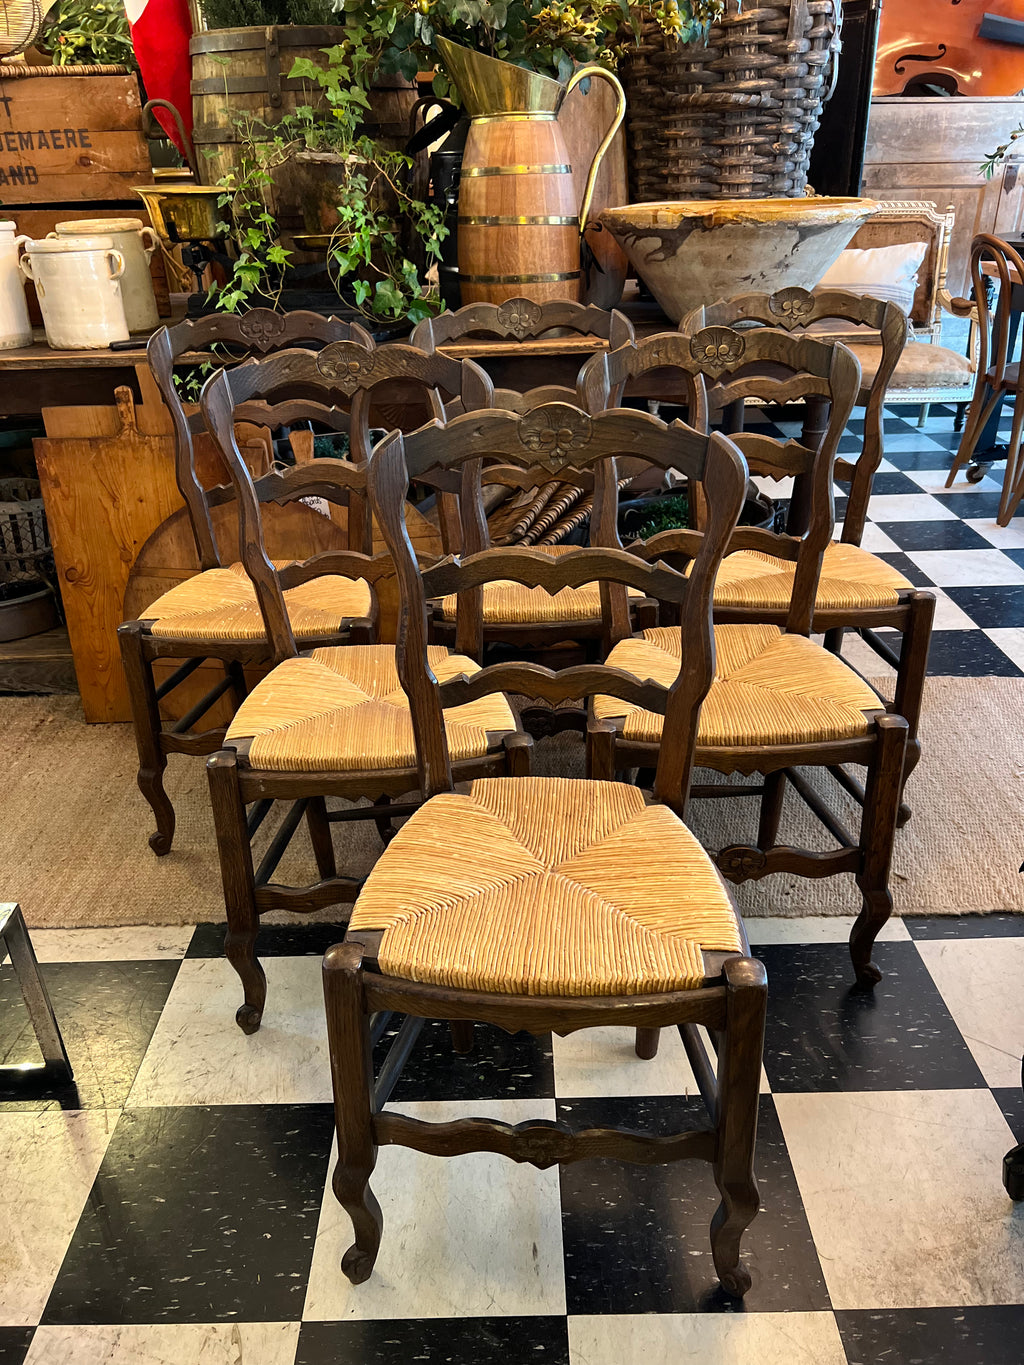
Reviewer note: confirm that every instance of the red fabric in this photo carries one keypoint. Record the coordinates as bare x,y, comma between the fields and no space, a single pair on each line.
160,35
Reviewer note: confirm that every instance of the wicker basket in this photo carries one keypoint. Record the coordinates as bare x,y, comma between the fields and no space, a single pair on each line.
735,118
25,551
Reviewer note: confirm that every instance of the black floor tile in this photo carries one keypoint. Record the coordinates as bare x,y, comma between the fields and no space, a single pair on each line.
887,482
906,566
993,606
927,457
850,443
14,1344
501,1066
275,940
933,535
1011,1102
106,1012
436,1341
824,1034
203,1214
921,1336
636,1237
966,926
982,505
968,654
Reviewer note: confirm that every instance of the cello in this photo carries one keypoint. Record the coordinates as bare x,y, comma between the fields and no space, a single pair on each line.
965,47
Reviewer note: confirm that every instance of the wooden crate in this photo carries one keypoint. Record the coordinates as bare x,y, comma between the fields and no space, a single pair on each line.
36,222
70,135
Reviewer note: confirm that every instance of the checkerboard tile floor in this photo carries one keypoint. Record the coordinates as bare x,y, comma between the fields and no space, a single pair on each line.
175,1207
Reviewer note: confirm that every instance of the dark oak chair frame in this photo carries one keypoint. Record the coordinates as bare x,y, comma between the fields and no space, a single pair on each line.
522,320
998,376
793,309
262,331
242,796
731,1001
744,364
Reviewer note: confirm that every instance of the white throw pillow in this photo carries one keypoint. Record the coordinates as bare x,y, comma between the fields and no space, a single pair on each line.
882,272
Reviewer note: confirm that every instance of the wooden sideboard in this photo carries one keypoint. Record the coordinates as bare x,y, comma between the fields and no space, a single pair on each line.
920,148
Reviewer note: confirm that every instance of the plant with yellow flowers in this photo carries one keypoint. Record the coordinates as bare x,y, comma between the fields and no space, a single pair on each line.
547,36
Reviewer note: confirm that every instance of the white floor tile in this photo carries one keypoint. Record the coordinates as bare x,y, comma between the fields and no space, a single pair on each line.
1010,640
908,507
50,1161
875,540
1003,537
912,440
903,1194
602,1061
468,1236
948,616
110,945
198,1054
774,488
980,981
167,1343
967,568
816,929
707,1339
934,481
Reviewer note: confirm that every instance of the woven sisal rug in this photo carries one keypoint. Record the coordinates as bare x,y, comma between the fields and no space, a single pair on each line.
73,827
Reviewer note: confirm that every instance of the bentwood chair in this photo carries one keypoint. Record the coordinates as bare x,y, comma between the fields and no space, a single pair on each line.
214,615
998,376
549,903
780,702
325,721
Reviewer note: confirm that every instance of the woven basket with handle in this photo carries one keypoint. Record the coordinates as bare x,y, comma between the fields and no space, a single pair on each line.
734,118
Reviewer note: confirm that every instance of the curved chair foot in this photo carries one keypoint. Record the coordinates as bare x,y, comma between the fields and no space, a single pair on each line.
151,785
903,815
1013,1173
240,951
732,1218
877,907
248,1018
357,1265
736,1282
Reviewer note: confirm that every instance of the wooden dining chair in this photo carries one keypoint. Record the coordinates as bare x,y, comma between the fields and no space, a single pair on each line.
780,702
522,320
999,376
214,615
549,903
325,721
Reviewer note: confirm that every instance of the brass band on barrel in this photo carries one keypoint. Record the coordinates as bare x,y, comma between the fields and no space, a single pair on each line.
514,118
554,278
468,172
524,220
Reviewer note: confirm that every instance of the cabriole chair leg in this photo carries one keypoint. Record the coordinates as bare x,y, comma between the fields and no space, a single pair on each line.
877,833
147,726
239,887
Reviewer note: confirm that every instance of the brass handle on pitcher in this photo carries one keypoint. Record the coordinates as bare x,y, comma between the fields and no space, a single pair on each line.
620,111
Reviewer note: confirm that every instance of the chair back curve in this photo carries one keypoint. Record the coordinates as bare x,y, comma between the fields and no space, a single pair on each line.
792,310
260,331
777,367
546,442
522,320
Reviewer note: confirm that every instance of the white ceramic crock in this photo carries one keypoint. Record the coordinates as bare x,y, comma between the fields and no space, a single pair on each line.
15,328
136,243
78,283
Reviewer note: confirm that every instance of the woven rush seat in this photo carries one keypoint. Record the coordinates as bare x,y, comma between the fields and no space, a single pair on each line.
547,886
342,709
770,688
220,605
851,579
506,603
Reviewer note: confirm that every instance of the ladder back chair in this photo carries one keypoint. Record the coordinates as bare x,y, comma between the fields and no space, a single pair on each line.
998,376
548,903
325,721
214,614
779,701
522,320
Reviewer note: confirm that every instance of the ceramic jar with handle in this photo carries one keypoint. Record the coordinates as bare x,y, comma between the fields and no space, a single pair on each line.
136,243
78,283
15,328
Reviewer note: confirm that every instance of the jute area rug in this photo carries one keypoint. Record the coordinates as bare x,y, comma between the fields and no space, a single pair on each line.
73,827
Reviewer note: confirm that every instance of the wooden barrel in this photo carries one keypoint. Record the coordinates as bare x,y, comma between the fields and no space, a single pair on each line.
519,230
245,71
